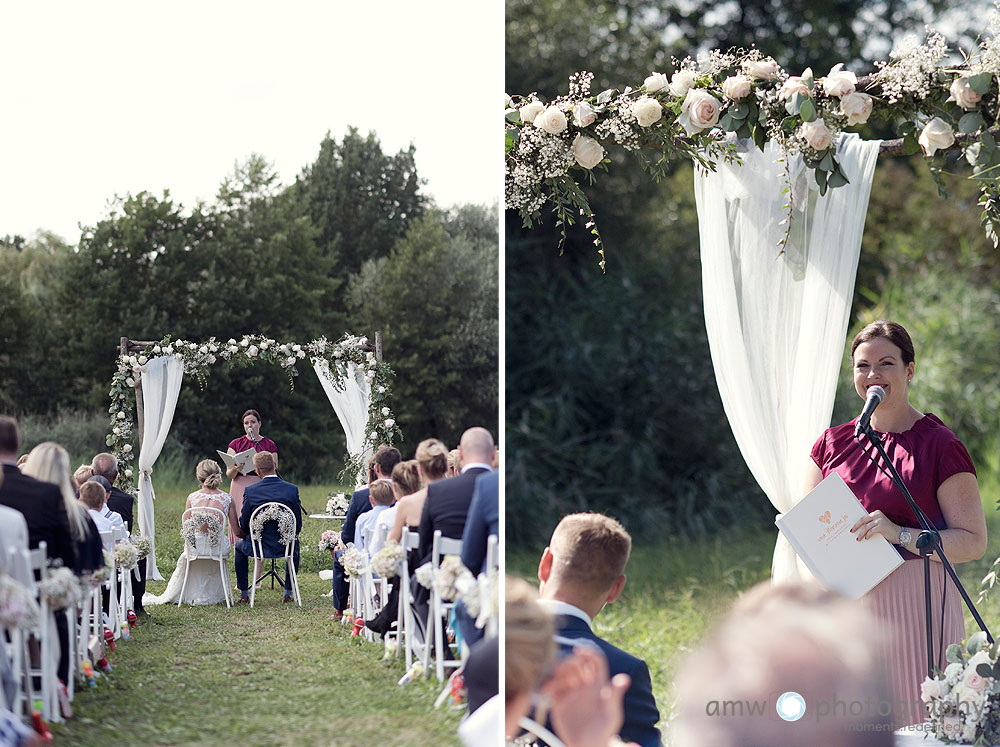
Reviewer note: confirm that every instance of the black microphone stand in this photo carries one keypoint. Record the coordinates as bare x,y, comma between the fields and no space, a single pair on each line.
928,541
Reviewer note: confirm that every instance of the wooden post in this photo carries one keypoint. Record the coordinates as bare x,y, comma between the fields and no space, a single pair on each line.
378,345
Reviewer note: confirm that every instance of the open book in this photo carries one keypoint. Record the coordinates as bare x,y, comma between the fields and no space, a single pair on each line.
244,460
818,528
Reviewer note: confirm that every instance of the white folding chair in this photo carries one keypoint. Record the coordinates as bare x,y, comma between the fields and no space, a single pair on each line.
405,618
208,548
366,607
258,552
120,534
13,641
108,540
439,607
47,639
492,564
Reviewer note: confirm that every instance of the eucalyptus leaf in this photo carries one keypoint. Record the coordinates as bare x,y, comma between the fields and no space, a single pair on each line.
821,177
788,124
808,111
905,128
605,96
827,162
509,141
981,83
973,152
760,136
726,123
984,670
807,78
837,179
970,122
744,131
988,140
512,115
954,653
739,110
793,104
910,144
976,641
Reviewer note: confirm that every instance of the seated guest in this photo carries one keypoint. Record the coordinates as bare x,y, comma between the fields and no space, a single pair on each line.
93,496
405,481
40,503
114,518
432,465
381,464
269,488
83,473
454,463
381,497
791,637
483,521
581,570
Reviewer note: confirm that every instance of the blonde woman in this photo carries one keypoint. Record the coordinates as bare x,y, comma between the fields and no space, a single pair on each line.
204,583
432,465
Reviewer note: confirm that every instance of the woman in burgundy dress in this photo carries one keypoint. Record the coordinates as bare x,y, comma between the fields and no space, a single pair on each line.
939,473
250,440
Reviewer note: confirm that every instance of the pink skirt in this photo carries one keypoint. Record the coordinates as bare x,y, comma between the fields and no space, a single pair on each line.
898,604
240,483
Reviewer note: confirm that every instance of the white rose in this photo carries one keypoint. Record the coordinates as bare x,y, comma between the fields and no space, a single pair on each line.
213,347
296,347
699,110
142,360
178,356
795,84
290,360
816,134
587,151
127,448
138,369
338,353
930,689
203,350
936,135
963,95
130,382
857,107
655,82
128,473
681,82
193,345
385,412
231,341
531,110
506,100
132,360
300,353
647,111
389,422
263,345
121,416
766,69
244,342
583,114
552,120
839,82
736,87
381,390
252,351
156,348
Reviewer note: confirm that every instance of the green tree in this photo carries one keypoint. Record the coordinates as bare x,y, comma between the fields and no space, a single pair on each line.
436,299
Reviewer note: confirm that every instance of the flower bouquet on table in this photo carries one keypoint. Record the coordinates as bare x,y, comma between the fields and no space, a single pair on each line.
337,505
330,540
963,702
353,561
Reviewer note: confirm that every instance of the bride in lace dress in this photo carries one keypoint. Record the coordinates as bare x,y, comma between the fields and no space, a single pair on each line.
204,582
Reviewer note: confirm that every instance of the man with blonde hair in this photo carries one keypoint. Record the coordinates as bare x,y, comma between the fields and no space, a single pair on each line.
581,570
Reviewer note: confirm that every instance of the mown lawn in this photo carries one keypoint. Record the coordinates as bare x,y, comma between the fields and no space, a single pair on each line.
276,674
676,592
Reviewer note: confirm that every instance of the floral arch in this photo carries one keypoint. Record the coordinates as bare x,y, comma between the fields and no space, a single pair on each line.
147,381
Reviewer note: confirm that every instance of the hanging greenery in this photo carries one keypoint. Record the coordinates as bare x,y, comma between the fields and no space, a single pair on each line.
198,358
710,102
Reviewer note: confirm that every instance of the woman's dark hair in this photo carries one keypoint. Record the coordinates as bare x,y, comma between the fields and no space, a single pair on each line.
893,332
251,412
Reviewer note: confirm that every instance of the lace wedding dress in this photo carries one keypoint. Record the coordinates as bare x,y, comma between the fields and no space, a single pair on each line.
204,582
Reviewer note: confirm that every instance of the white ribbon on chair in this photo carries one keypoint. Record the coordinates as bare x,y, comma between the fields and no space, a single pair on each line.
351,398
777,323
161,383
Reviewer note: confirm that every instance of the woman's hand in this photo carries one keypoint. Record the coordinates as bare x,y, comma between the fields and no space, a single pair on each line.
874,524
587,708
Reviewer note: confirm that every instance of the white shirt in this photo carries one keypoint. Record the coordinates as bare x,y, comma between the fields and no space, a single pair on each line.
367,519
386,518
475,465
113,517
103,525
556,607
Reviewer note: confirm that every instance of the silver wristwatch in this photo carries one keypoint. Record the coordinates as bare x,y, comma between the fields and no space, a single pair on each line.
904,537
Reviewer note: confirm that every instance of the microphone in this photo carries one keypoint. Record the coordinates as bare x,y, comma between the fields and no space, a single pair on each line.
875,396
250,433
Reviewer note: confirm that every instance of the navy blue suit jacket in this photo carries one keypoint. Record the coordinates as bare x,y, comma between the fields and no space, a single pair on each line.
482,521
256,495
360,503
641,714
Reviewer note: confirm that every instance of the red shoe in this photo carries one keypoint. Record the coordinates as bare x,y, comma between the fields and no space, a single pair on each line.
104,665
131,617
358,626
109,639
41,728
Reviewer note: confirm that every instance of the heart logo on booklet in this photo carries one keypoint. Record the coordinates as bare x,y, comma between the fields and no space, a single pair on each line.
825,518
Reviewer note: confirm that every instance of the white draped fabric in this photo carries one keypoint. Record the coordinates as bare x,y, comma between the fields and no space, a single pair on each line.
777,323
351,398
161,383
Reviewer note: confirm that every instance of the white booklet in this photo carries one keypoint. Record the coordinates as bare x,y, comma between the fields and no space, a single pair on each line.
818,528
244,460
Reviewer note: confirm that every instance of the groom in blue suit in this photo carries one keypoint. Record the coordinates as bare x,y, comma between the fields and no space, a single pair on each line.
581,570
270,488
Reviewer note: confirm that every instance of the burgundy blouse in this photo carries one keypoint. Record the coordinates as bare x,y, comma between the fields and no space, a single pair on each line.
243,443
925,456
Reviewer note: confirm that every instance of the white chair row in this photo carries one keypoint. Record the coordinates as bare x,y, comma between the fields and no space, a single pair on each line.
209,550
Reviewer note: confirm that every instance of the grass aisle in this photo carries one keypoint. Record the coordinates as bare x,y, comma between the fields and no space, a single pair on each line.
276,674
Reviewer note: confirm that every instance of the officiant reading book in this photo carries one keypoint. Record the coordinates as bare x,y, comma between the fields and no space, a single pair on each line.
252,441
939,473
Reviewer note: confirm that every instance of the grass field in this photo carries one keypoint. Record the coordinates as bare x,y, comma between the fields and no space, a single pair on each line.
675,592
276,674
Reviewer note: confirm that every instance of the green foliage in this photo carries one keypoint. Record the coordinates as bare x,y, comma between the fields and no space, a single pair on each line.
435,297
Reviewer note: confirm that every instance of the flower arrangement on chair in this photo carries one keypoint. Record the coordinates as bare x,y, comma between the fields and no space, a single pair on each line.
353,561
60,589
207,523
144,545
330,540
284,519
388,561
126,555
18,608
